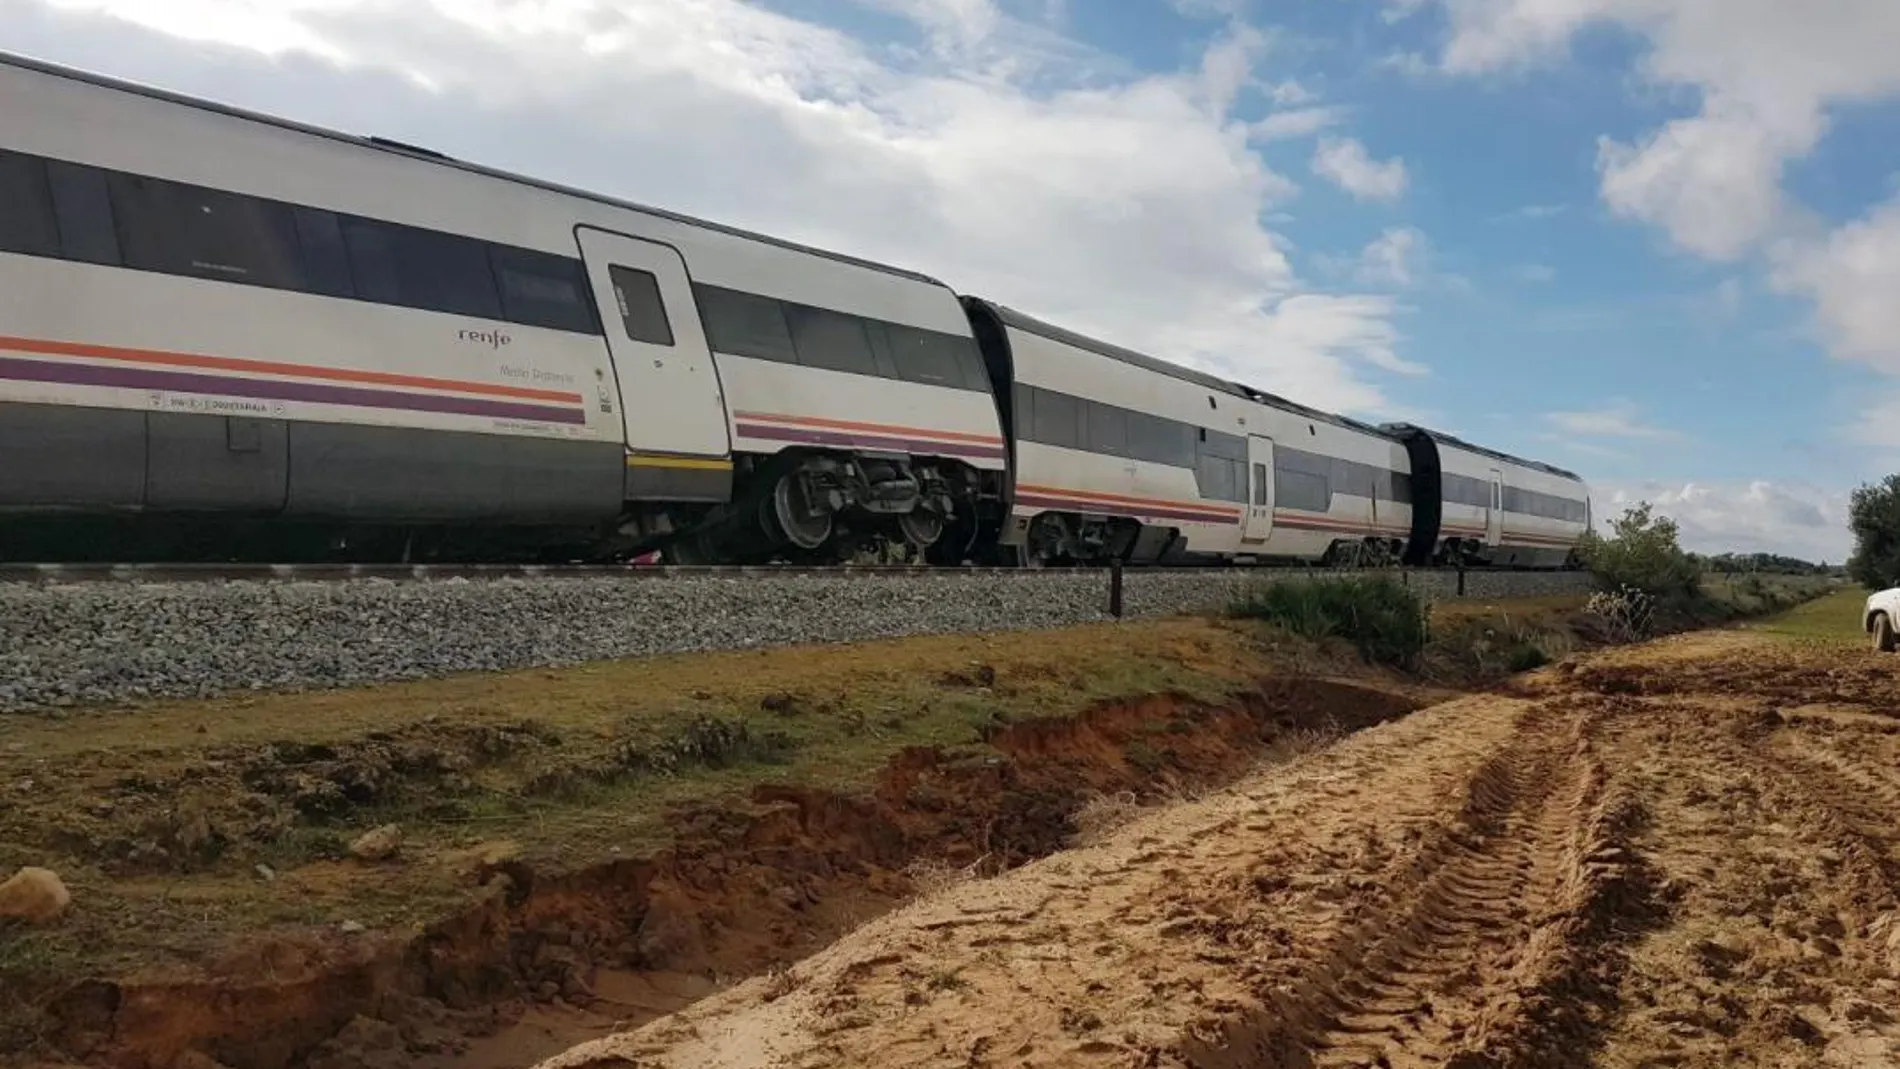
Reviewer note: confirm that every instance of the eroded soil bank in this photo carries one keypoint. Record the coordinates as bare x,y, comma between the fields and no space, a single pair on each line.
1681,854
580,857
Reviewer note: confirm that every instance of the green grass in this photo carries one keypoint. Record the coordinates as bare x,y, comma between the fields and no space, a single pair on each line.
1833,619
1384,618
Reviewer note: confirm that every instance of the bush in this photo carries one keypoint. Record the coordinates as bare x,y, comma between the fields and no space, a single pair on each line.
1874,515
1642,554
1381,616
1628,613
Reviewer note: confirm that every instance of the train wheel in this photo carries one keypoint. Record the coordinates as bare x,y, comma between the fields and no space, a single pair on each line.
921,528
804,524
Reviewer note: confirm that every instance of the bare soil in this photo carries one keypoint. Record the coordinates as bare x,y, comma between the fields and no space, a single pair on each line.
1183,842
586,849
1680,854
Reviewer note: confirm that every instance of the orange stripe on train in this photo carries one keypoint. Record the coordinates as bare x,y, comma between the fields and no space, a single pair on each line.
869,428
45,347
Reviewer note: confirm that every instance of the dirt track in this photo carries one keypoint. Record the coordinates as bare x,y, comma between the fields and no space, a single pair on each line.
1682,854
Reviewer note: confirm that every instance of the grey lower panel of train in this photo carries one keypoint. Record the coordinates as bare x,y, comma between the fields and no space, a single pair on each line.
97,458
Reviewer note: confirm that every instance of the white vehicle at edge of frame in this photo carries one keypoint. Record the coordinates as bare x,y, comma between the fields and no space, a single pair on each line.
1880,618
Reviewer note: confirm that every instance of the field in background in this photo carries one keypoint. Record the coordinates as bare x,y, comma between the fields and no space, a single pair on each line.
1832,619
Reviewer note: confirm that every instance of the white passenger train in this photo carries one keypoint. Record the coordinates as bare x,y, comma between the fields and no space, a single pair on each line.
222,334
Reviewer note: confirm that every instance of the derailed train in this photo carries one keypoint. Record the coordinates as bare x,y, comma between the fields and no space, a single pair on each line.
222,334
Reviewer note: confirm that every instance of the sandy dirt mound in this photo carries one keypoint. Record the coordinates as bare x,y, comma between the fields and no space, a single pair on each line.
1683,855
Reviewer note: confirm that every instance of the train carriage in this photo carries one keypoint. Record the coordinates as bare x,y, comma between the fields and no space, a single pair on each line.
1121,455
210,314
1490,507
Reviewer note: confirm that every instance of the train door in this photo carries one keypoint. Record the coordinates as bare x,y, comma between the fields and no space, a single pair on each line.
1494,516
669,395
1259,521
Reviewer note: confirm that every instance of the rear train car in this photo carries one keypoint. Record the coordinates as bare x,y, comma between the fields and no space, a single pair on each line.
1118,455
221,334
1491,508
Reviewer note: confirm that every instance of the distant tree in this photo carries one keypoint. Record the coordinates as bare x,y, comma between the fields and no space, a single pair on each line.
1874,515
1642,551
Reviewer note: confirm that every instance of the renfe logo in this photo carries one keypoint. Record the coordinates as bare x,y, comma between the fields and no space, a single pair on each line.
494,339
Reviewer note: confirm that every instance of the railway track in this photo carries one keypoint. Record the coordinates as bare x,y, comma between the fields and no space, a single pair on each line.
55,572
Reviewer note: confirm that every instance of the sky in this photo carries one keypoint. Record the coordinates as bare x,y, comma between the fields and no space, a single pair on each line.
1656,242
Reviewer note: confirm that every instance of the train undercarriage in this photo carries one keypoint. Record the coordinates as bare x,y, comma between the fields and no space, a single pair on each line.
805,507
810,507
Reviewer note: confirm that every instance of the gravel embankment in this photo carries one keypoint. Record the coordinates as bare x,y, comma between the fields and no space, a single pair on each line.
103,643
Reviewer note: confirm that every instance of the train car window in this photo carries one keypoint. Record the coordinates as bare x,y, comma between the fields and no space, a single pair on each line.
1058,419
1303,490
881,348
1026,412
1402,487
1145,436
1260,485
326,260
84,211
27,225
925,356
745,324
425,269
970,359
1181,445
831,340
181,229
1107,429
540,289
1221,479
1348,478
1219,444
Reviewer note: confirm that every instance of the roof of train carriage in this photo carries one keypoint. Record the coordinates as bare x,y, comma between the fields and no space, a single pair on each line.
382,144
1032,325
1536,465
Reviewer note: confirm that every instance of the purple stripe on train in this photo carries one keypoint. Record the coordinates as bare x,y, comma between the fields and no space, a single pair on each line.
132,378
870,441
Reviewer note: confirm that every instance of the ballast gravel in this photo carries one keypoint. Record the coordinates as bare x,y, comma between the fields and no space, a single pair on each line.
86,644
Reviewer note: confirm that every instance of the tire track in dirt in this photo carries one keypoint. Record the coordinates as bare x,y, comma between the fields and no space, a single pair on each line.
1863,792
1114,954
1489,953
1833,801
1778,845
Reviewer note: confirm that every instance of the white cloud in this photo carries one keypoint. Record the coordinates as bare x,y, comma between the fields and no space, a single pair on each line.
1358,328
1853,278
1770,73
1290,94
1299,122
1532,212
1027,170
1878,424
1582,447
1796,519
1619,419
1391,258
1713,182
1345,162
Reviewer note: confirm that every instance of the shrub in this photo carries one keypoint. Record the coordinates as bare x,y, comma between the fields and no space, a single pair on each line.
1641,553
1874,515
1381,616
1628,613
1524,655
